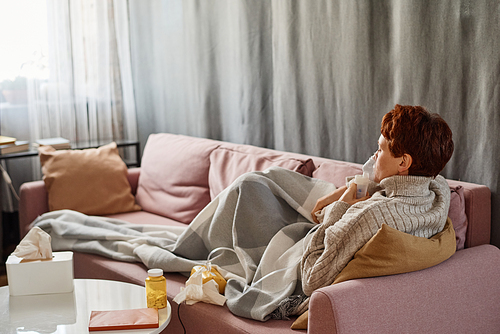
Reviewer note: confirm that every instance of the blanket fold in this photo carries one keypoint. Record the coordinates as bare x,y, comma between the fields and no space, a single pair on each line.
263,217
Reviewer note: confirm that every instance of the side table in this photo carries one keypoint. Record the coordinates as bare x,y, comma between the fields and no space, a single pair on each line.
33,152
70,312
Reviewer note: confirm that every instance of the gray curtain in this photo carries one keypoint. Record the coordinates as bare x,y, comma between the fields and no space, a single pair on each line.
316,77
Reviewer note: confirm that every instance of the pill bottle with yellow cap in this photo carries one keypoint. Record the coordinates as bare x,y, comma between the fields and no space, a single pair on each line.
156,289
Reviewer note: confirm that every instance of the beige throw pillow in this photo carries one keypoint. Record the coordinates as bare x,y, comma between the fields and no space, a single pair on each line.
391,252
91,181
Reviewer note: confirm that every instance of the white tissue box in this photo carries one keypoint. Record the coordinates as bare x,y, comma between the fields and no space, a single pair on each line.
40,277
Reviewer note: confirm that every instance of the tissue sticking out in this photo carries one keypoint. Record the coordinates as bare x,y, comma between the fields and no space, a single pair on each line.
34,246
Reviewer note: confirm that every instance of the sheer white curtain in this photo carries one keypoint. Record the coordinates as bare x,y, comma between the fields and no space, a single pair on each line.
89,93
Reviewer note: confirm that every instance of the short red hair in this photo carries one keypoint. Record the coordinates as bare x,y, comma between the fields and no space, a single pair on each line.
426,137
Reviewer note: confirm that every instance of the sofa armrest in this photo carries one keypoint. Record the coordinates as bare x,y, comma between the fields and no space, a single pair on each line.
478,211
460,295
33,199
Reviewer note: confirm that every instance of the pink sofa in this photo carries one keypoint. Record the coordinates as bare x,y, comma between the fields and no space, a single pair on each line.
178,177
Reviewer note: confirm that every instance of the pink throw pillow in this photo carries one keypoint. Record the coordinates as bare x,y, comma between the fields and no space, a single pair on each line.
336,172
174,176
227,164
457,215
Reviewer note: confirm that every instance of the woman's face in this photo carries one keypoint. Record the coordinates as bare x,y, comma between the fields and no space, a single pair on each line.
385,163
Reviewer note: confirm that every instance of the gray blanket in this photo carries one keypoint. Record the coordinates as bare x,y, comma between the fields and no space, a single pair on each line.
264,217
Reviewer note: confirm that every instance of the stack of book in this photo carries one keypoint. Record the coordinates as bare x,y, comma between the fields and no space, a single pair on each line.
57,143
11,145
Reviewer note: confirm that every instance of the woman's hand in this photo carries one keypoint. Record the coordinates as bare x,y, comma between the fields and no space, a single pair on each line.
327,200
349,196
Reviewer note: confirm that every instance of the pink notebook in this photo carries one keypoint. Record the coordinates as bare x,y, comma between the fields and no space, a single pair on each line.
123,319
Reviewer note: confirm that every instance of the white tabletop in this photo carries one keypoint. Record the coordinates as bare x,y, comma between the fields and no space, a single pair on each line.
70,312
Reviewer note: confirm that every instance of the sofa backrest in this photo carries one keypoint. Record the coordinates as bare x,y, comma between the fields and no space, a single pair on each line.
179,176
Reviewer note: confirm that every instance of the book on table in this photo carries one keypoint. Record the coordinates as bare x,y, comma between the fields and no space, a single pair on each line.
5,140
58,143
17,146
123,319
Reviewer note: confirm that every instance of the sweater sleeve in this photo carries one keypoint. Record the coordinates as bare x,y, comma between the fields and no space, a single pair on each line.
334,244
412,204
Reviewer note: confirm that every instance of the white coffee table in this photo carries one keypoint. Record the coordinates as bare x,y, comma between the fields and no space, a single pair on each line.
70,312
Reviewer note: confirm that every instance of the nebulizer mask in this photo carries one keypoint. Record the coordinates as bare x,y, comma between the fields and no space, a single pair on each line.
369,168
362,181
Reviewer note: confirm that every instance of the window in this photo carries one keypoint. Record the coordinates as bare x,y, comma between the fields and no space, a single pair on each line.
24,50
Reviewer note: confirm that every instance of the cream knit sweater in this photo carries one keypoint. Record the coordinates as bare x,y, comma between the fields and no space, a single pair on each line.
416,205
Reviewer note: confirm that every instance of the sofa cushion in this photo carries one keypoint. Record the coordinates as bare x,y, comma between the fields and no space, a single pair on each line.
457,215
91,181
227,164
174,176
146,218
391,252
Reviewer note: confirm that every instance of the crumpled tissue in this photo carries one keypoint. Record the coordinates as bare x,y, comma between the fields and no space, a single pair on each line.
195,291
34,246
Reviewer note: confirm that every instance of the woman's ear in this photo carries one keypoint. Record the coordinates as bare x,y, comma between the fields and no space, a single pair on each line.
405,164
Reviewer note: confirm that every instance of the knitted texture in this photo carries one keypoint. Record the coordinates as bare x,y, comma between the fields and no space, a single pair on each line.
416,205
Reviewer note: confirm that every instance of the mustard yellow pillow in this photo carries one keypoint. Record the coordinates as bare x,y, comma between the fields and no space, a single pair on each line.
91,181
391,252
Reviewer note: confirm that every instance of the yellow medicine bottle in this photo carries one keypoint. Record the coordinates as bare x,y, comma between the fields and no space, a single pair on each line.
156,289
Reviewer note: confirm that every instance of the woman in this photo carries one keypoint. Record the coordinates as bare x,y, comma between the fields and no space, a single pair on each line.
256,230
407,194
